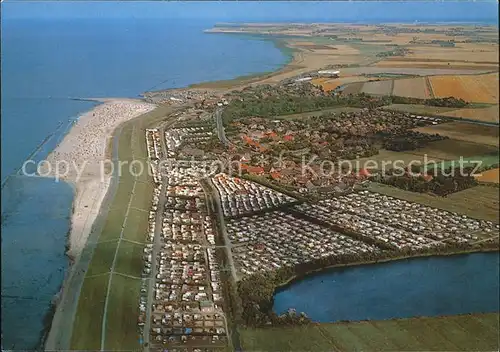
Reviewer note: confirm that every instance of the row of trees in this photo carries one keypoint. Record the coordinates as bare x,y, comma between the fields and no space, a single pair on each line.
449,102
399,51
286,104
409,140
443,184
268,102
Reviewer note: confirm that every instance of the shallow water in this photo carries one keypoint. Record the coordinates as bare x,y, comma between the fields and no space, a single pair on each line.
33,261
416,287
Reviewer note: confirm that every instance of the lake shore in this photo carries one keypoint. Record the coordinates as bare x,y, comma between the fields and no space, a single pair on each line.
295,278
272,283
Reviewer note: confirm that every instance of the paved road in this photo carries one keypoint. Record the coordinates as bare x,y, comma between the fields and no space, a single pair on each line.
214,196
221,133
157,237
154,255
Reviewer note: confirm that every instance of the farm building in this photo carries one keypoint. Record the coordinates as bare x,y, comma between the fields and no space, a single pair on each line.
329,73
304,79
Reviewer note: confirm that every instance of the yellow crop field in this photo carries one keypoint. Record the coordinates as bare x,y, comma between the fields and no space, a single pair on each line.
489,176
490,114
471,88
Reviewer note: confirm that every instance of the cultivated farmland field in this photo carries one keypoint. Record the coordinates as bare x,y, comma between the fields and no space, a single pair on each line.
492,176
483,198
411,87
446,65
453,149
388,159
480,202
353,88
435,153
465,132
489,114
378,87
483,114
487,160
419,109
476,332
471,88
329,84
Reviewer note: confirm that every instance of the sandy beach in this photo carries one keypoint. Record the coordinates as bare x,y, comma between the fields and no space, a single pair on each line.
78,159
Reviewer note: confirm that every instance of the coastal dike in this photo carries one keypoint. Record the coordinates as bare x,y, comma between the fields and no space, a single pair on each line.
60,330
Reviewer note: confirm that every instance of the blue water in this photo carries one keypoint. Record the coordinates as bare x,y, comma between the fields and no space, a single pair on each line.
418,287
52,51
43,64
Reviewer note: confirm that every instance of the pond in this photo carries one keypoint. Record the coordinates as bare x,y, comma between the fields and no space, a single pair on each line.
430,286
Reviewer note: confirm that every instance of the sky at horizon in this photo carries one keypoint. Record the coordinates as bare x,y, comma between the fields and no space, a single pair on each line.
481,11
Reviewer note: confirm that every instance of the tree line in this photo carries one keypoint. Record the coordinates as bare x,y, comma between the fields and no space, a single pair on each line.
256,291
443,182
449,102
408,140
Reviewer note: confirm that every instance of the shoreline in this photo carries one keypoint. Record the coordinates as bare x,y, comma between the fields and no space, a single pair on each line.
54,316
86,146
319,271
293,59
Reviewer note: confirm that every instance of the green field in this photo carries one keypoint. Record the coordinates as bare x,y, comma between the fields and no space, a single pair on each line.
88,320
453,149
419,109
481,108
478,332
121,322
468,161
444,153
480,202
121,316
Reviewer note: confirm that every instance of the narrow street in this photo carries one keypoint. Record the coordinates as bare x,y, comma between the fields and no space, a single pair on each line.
221,133
154,267
213,195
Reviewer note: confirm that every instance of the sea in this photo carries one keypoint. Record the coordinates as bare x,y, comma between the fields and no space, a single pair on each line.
53,52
